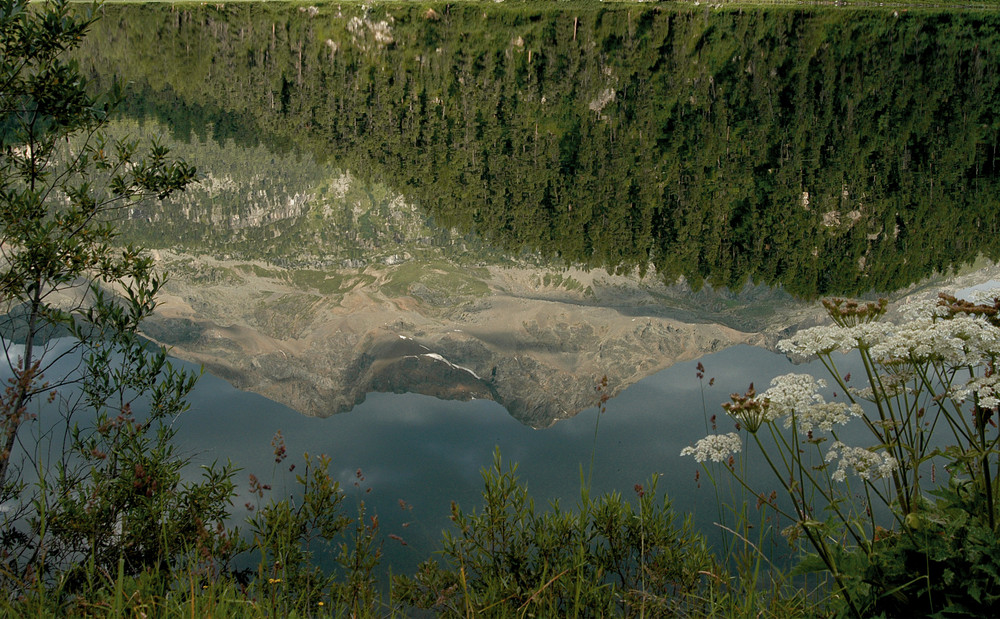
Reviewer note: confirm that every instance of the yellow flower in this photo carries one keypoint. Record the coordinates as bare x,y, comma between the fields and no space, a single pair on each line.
273,580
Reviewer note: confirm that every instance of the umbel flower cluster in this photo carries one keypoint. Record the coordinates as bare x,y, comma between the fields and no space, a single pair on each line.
715,447
793,399
954,334
927,395
860,461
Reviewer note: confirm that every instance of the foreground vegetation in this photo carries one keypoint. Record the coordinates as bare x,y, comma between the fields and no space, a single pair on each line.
100,517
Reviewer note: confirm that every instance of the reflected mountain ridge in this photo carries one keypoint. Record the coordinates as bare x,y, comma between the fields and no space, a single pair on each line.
491,182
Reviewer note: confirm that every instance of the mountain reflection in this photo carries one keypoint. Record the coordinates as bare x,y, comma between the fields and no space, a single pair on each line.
378,172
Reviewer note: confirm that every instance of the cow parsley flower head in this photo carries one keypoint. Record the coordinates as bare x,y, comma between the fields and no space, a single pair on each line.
891,384
866,464
793,392
823,416
923,311
818,341
982,339
958,342
986,389
871,333
796,397
715,447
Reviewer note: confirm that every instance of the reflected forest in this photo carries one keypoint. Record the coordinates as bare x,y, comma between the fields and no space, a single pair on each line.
722,147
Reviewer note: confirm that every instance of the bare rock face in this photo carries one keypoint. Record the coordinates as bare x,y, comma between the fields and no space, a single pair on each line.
537,350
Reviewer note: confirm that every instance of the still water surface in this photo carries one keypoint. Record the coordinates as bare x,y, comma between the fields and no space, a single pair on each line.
429,452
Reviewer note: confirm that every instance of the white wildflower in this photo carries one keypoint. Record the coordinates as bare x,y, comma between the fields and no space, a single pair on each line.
864,463
924,311
870,334
985,388
796,396
981,337
817,341
959,341
890,385
984,297
793,392
715,447
355,24
862,393
823,416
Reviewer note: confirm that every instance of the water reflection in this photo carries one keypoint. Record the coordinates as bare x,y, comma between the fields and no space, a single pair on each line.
725,146
429,452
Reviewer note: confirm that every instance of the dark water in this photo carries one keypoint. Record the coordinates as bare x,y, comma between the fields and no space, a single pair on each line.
429,452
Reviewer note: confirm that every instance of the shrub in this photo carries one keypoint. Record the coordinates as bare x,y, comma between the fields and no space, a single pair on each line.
89,480
607,557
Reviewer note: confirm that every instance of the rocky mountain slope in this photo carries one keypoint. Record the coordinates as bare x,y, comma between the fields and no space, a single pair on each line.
536,342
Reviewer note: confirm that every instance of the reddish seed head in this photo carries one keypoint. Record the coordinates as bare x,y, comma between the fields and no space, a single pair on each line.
397,538
278,443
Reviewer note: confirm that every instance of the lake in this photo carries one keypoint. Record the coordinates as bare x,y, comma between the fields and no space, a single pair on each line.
434,229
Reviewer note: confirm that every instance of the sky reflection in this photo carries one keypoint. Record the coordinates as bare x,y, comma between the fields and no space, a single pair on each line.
428,452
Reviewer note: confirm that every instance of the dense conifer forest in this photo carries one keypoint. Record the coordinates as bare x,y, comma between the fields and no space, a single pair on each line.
815,149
